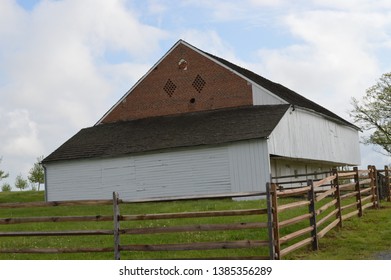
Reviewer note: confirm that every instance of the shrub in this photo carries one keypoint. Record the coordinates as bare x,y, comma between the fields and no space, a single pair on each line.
6,187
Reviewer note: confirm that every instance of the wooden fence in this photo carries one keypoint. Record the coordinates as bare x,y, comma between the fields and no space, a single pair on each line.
344,195
119,233
310,211
57,220
213,245
384,182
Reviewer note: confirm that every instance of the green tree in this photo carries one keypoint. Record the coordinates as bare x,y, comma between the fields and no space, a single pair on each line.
3,175
373,113
6,187
36,173
20,183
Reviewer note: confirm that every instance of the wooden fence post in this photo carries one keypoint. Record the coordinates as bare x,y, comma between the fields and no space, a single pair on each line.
372,176
337,196
272,254
357,188
276,231
377,186
312,210
387,182
116,213
371,184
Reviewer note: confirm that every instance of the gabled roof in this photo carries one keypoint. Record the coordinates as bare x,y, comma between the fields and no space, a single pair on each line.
156,133
282,92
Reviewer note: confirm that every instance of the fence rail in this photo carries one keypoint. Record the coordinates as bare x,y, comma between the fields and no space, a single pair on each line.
349,194
118,231
212,245
293,217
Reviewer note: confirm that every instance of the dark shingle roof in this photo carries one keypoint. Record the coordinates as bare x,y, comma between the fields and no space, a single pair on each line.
281,91
191,129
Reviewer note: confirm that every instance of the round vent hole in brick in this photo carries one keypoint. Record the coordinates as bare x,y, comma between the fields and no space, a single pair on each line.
182,64
192,100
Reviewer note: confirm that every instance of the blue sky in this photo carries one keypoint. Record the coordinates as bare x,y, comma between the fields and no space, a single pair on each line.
64,63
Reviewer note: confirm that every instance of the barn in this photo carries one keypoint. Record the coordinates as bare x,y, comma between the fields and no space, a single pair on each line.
198,124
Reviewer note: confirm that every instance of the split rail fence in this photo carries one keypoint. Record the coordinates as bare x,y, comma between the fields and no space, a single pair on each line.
119,232
293,217
329,202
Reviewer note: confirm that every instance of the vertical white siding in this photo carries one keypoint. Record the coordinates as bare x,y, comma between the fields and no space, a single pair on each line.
286,166
304,135
236,167
74,179
290,167
250,167
263,97
181,172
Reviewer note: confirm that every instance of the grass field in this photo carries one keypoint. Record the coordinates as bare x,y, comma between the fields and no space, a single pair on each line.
359,238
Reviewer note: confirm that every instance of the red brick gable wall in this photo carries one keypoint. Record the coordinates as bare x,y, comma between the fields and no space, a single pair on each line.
184,81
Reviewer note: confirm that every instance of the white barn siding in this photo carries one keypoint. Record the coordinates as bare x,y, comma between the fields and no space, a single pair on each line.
73,180
286,166
302,134
181,172
263,97
235,167
250,167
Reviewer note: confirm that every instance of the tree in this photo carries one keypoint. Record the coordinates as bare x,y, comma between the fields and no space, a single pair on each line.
20,183
36,173
3,175
373,113
6,187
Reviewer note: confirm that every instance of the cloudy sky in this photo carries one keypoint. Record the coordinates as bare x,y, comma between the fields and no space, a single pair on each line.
64,63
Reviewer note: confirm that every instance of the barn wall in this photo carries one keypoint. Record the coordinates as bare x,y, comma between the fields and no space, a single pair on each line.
183,81
291,167
302,134
286,167
263,97
250,166
195,171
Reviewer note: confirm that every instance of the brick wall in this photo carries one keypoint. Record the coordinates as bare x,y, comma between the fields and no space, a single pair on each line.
184,81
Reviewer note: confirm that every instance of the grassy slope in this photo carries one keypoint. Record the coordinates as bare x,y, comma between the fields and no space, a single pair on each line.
358,239
22,196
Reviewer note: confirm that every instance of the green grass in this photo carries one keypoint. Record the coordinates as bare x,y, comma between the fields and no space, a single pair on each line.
359,238
127,209
21,196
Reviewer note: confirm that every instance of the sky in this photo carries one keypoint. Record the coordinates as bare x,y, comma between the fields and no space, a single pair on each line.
64,63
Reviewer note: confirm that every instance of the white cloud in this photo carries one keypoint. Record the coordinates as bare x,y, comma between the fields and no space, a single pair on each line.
56,76
19,134
233,10
353,5
210,41
61,49
266,2
333,59
20,142
62,67
371,155
156,7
